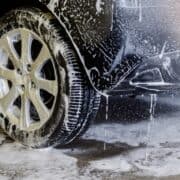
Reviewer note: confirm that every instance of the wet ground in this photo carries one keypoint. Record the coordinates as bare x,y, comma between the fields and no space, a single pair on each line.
130,145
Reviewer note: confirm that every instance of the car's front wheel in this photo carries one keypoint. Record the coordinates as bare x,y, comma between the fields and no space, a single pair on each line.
45,97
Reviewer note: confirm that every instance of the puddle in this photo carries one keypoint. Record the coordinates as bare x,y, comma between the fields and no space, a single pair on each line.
90,150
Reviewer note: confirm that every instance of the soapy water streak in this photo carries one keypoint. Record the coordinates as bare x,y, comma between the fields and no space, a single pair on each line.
163,50
136,4
151,123
107,117
140,11
129,3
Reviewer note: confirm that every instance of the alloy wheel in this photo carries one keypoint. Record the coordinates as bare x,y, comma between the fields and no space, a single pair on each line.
28,80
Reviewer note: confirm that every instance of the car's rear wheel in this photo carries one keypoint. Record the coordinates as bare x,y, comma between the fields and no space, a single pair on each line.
45,97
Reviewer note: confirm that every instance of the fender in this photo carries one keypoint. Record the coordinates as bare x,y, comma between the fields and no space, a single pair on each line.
98,36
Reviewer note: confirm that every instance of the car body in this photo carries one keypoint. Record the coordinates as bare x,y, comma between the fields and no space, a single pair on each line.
108,34
105,32
122,47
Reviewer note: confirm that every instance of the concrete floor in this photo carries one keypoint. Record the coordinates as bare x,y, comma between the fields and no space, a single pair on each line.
117,149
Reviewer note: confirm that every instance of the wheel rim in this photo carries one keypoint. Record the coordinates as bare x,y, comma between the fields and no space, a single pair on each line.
28,80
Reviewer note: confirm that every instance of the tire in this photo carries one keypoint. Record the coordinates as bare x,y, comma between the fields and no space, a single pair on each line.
42,115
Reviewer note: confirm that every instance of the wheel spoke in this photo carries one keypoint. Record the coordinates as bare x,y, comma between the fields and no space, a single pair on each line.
13,118
8,48
48,85
43,56
25,112
26,42
41,109
8,100
10,75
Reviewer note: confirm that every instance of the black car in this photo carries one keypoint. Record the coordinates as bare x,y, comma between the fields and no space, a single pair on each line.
57,57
